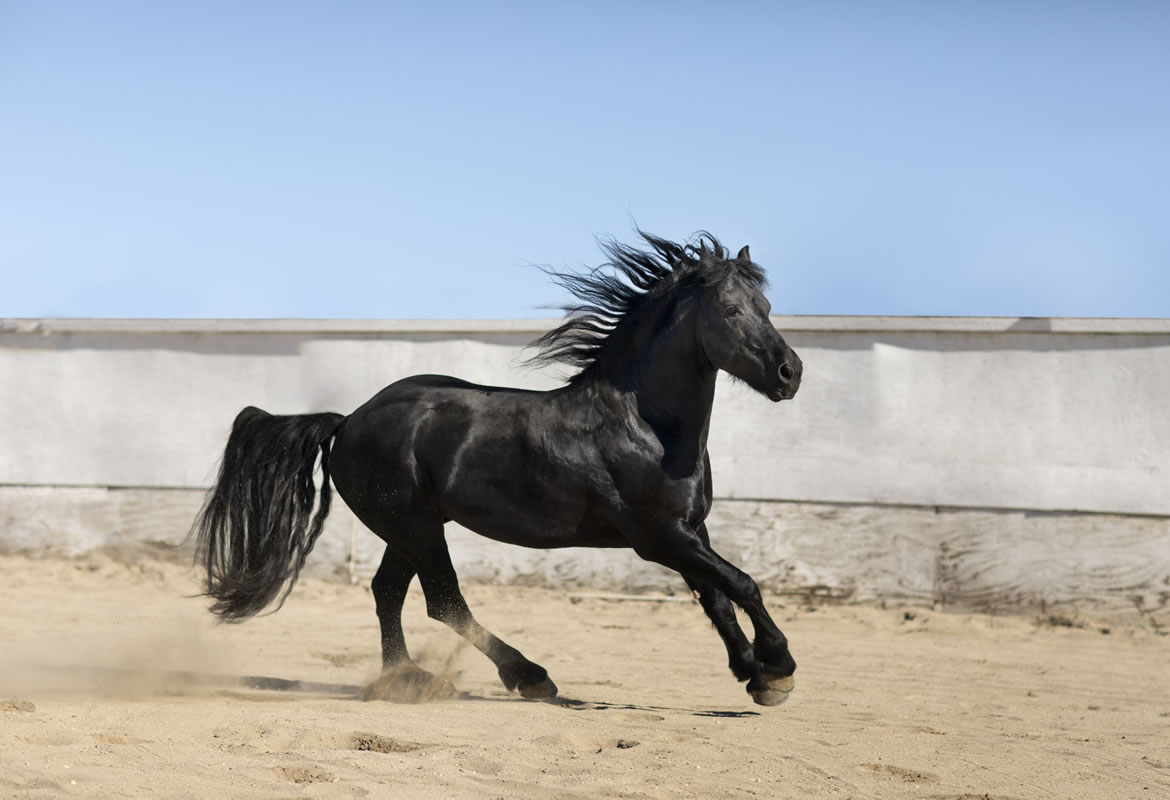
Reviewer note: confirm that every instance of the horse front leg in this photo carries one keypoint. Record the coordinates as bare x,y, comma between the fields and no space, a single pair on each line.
767,666
768,658
771,645
740,654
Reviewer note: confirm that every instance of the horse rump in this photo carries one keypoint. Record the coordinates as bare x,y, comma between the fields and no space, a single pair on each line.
257,525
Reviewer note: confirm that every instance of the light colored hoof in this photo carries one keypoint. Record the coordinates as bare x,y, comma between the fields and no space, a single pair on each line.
769,697
784,684
539,691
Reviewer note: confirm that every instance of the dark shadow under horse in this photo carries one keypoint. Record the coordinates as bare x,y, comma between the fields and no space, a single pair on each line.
617,457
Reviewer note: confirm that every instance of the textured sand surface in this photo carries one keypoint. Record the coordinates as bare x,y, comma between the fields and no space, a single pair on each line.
888,702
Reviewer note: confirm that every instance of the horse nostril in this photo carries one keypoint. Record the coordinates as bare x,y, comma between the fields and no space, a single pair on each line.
786,372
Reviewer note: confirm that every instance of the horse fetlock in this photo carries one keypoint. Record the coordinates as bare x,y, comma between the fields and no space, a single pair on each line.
778,661
744,669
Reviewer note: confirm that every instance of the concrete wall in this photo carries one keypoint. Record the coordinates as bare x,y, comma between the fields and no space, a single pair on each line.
916,447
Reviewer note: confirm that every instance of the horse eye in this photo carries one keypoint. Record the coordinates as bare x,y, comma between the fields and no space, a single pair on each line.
732,311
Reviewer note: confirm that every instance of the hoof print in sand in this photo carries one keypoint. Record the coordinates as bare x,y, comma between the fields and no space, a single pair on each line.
375,743
298,774
907,775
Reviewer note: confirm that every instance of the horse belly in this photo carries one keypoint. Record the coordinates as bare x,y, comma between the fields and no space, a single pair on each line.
521,499
530,519
541,532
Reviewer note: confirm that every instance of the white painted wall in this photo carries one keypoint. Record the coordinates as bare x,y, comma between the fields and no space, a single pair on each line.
1034,414
990,463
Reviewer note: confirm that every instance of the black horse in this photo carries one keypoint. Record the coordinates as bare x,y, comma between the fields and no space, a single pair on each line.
617,457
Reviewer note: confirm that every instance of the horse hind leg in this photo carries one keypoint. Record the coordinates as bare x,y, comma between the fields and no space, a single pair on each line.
389,586
446,604
401,679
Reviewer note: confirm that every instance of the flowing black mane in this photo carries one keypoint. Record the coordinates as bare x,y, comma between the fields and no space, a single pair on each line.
616,291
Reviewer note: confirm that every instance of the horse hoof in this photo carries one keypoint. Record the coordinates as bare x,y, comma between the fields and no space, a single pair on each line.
538,691
769,697
778,684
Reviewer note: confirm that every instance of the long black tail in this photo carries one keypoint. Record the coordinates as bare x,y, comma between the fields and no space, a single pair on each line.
257,525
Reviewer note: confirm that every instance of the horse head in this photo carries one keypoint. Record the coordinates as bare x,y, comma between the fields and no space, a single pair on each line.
734,331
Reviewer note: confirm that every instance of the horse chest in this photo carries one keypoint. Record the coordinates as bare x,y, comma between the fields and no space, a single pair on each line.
648,489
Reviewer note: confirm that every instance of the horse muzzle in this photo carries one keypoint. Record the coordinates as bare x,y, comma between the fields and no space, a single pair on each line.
788,376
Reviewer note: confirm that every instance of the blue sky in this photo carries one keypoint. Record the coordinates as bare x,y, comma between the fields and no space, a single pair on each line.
393,160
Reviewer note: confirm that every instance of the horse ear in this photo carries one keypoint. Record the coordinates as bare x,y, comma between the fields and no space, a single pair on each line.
706,256
744,255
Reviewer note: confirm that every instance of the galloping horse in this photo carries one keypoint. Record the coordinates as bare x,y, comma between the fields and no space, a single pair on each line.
616,457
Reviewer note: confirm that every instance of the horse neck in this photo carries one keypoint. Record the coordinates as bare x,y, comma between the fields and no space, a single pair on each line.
672,381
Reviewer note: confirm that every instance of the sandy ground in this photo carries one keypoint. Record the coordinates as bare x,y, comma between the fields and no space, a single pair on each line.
888,702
